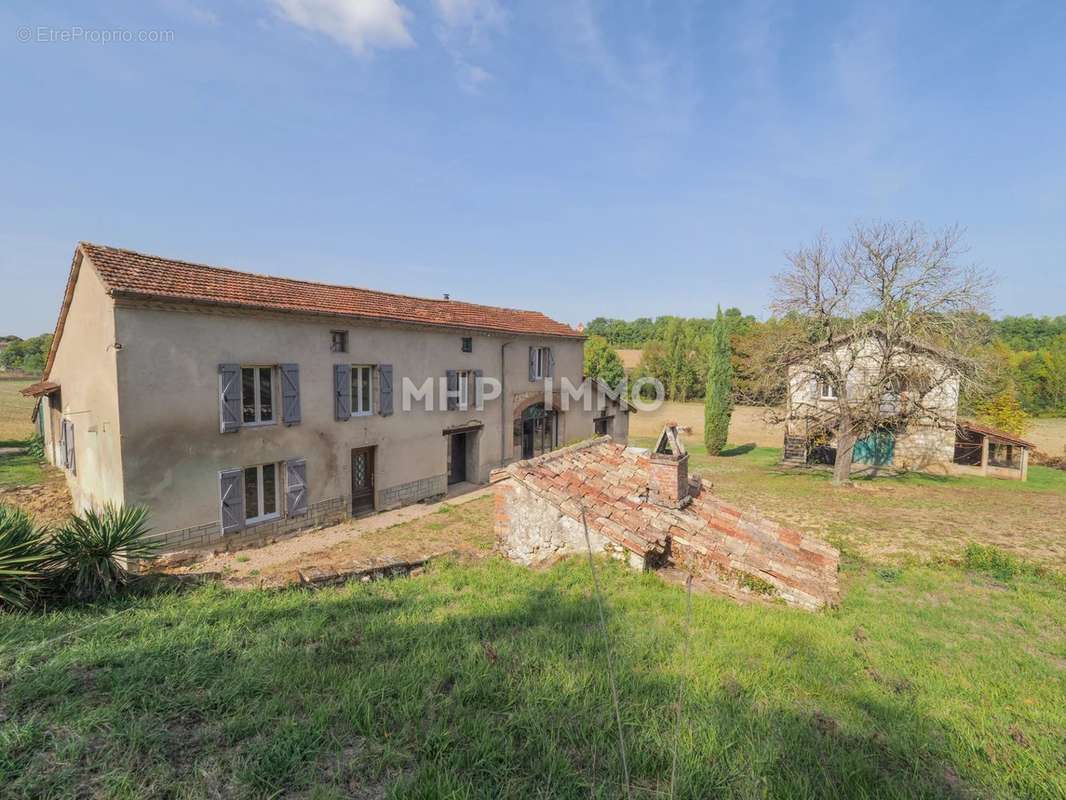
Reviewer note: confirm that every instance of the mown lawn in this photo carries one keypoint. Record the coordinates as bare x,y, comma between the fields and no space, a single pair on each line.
487,680
891,519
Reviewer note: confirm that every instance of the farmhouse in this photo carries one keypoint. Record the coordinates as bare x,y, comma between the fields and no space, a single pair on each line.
915,391
644,508
239,407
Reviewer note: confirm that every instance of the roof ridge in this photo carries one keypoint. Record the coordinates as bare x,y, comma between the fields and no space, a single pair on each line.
305,282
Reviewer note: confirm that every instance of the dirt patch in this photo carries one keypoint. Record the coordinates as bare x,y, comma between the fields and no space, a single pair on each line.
49,501
461,526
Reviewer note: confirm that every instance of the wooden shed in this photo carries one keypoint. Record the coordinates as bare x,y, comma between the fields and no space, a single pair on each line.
981,450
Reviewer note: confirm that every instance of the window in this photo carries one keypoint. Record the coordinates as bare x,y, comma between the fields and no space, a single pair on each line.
338,341
362,386
463,376
468,344
257,395
541,356
603,425
826,390
260,492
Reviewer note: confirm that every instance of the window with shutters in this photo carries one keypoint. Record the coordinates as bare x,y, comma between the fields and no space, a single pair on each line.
261,493
468,344
338,341
362,390
464,377
257,395
539,365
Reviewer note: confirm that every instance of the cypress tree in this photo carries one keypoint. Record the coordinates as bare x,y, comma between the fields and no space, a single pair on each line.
718,402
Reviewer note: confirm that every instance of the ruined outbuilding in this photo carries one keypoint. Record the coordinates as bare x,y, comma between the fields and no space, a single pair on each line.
643,507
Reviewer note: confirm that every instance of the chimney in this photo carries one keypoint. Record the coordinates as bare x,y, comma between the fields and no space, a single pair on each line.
447,296
668,470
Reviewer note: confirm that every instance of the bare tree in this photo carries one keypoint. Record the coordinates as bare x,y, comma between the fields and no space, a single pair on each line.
882,330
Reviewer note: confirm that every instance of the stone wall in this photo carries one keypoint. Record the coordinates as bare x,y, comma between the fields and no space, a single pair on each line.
738,550
923,448
531,530
411,492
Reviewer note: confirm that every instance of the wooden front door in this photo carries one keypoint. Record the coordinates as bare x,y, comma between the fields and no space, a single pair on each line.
362,480
457,458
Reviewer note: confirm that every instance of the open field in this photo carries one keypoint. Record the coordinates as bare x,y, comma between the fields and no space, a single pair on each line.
15,410
746,426
893,519
749,427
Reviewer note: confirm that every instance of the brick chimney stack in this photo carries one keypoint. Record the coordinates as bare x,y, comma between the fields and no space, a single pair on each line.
668,470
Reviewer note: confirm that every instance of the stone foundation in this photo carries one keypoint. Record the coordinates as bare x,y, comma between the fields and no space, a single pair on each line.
210,537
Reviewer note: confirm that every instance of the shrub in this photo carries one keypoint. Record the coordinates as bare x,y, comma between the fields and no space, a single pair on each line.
981,558
25,553
35,446
92,550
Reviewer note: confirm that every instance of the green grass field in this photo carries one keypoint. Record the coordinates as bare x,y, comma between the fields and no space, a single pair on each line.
488,681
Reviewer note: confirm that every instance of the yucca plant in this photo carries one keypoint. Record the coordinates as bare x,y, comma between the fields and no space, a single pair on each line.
25,553
94,548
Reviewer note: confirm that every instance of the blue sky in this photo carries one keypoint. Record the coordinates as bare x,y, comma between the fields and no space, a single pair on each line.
582,158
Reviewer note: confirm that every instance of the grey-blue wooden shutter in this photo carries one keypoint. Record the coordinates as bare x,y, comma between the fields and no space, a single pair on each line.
385,389
549,366
296,487
231,500
532,364
229,397
62,443
342,391
478,375
453,389
290,393
72,454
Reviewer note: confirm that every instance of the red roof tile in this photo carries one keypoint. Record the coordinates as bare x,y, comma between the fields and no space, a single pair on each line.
995,433
130,274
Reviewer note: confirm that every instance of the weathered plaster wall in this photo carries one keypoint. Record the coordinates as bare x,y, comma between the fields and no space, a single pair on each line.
531,530
85,368
168,390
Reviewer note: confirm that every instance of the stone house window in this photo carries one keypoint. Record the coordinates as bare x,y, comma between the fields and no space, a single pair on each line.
539,363
338,341
603,425
468,344
257,395
826,389
260,493
362,390
464,377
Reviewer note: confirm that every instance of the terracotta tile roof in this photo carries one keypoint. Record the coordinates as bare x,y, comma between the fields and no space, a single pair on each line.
995,433
130,274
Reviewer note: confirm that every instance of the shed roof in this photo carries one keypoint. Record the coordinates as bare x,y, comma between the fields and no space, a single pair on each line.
995,433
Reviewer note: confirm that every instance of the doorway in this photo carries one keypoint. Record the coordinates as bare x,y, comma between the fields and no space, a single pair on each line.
456,458
362,480
539,431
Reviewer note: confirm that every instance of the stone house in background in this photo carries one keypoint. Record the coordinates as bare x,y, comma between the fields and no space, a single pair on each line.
643,507
238,407
923,430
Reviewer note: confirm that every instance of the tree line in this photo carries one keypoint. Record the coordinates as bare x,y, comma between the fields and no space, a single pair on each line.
1026,355
25,355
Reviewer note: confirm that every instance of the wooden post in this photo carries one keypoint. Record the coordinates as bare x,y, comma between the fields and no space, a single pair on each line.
984,455
1025,463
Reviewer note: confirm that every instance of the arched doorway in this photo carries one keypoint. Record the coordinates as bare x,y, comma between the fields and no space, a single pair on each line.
539,430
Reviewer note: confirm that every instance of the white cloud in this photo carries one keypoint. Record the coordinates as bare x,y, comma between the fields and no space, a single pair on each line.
464,28
359,25
475,16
